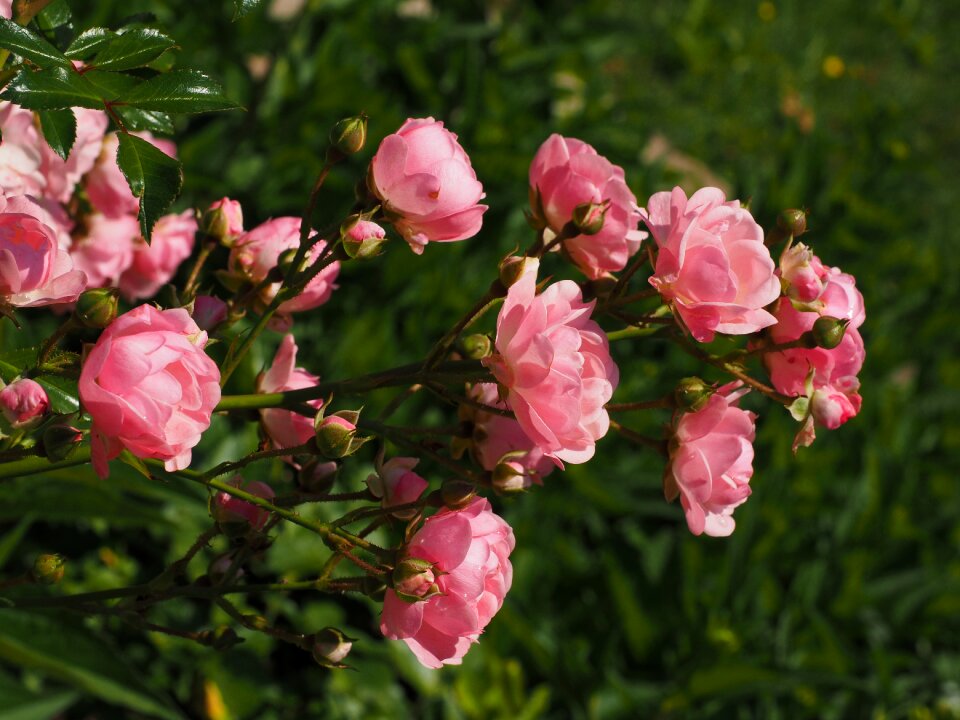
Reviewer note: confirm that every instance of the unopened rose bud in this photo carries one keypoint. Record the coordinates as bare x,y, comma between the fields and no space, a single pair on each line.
349,135
828,331
413,578
692,393
96,308
510,477
223,221
792,222
477,346
209,312
317,476
23,401
234,515
362,239
514,267
330,647
335,435
457,494
59,441
397,484
801,273
588,218
48,568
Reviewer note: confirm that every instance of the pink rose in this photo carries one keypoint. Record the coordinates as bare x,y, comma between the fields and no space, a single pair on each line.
711,462
397,484
104,251
712,264
6,9
49,212
226,218
567,172
555,363
227,509
149,387
34,269
832,406
106,186
20,152
61,176
285,427
208,312
23,400
498,439
465,572
427,184
256,253
801,273
153,265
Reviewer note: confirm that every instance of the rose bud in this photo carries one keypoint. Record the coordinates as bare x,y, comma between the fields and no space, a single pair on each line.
59,441
330,647
48,569
23,400
349,135
235,515
397,484
362,239
223,220
97,308
318,476
208,312
692,394
335,435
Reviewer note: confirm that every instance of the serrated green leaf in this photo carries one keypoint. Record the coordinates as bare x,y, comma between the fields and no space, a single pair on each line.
242,7
136,119
111,86
32,47
62,393
153,176
59,130
134,48
180,91
66,650
51,90
89,42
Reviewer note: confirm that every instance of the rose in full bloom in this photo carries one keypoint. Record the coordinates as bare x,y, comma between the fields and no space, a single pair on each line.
712,264
256,253
426,182
21,155
567,172
395,483
104,248
153,265
23,400
34,269
285,427
555,363
106,186
453,577
61,176
711,462
149,388
230,510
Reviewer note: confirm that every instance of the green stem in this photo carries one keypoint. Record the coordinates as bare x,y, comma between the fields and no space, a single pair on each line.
61,332
35,465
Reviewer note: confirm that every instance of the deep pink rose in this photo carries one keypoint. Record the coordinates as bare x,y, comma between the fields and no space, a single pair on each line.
106,187
397,484
49,212
568,172
149,387
226,508
256,253
832,406
499,439
712,264
153,265
426,182
21,155
468,557
711,462
555,363
105,250
61,175
34,269
23,400
285,427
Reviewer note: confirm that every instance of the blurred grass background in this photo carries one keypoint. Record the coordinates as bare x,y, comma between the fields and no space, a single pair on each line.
839,594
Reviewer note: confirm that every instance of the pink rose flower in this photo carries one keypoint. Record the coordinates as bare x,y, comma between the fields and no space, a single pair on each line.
20,152
49,212
6,9
467,572
711,462
285,427
801,273
555,363
567,172
106,186
712,264
34,269
23,400
397,484
226,508
256,253
153,265
229,218
104,251
149,388
208,312
832,406
498,439
61,176
427,184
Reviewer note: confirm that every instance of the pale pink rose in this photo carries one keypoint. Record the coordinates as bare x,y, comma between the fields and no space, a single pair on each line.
226,508
23,400
155,264
801,273
61,175
149,388
555,363
49,212
20,152
711,462
229,216
256,253
429,189
34,269
208,312
397,484
498,439
106,187
468,554
6,9
712,265
567,172
104,249
285,427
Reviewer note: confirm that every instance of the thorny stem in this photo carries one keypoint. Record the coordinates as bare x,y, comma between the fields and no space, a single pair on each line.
190,288
659,445
664,402
733,370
